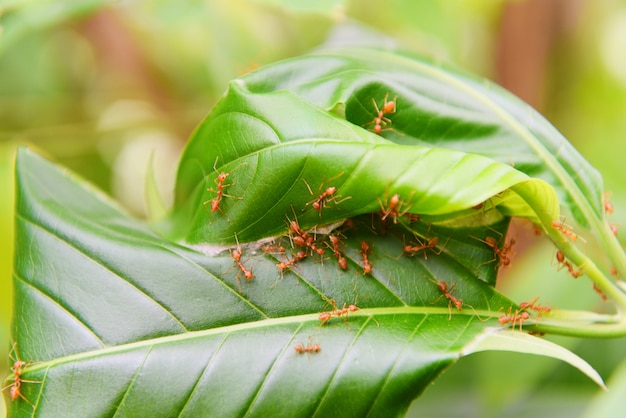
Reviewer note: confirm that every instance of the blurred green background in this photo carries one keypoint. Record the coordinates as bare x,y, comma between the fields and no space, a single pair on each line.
103,86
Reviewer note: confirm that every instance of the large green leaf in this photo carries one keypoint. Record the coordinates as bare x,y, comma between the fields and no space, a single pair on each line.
439,106
119,311
118,320
276,144
124,318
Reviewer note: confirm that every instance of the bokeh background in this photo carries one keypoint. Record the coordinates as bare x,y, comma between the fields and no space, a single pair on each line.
105,87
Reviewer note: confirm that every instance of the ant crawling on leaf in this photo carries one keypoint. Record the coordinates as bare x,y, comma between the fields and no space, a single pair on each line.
503,255
326,196
311,348
337,313
446,292
514,317
17,369
219,182
381,121
335,244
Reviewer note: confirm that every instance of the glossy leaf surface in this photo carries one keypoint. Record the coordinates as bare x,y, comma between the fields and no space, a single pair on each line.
120,319
117,309
280,153
440,107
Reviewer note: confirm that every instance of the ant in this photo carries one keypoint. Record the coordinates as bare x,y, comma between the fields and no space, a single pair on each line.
17,370
560,258
219,182
432,243
600,292
503,253
304,239
273,248
236,255
532,304
380,121
341,260
337,313
393,208
311,348
565,230
517,317
614,229
365,253
447,293
284,265
326,196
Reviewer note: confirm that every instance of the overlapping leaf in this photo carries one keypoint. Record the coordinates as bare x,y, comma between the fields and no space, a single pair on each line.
280,152
441,107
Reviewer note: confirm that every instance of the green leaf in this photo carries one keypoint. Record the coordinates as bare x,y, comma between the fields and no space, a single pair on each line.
441,107
122,318
115,318
277,165
519,342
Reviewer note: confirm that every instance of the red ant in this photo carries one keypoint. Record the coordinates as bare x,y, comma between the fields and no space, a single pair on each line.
614,229
365,252
236,255
380,121
393,208
272,248
565,230
337,313
514,318
503,253
432,243
341,260
600,292
447,293
284,265
326,196
535,306
311,348
304,239
560,258
219,181
17,370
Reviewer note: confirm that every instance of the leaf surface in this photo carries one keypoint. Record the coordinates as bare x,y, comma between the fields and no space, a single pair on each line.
440,107
124,318
112,314
277,165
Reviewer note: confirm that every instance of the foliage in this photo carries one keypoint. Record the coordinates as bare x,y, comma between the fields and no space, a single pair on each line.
155,318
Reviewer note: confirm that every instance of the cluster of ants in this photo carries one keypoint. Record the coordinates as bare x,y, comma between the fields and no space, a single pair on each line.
306,243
